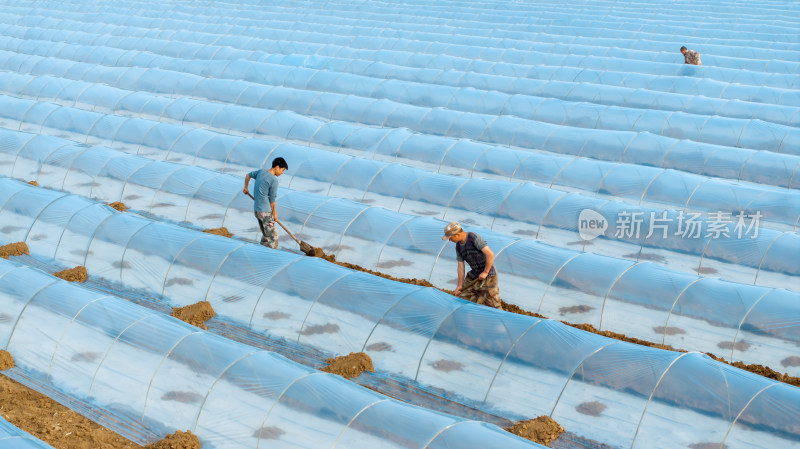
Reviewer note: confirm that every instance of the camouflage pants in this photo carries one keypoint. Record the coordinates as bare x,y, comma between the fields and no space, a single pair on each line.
269,235
486,292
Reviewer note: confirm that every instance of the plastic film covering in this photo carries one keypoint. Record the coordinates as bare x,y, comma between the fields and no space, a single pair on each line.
526,122
171,387
563,38
391,145
222,152
541,278
12,437
439,333
439,124
229,394
343,100
732,250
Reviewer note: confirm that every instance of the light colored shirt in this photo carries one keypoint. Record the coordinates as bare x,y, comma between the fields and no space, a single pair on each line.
692,57
265,189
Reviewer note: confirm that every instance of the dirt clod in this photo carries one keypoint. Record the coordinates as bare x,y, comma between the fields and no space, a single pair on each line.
542,430
791,361
276,315
739,345
350,365
195,314
177,440
77,274
118,206
575,309
316,252
268,433
14,249
6,361
707,270
379,346
394,263
448,365
186,397
223,231
593,408
708,446
327,328
87,356
33,183
669,330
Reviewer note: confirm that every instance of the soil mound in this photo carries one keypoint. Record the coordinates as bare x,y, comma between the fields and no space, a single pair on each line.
33,183
350,365
223,231
195,314
513,308
542,430
53,423
414,281
177,440
14,249
77,274
6,361
761,370
118,206
318,252
622,337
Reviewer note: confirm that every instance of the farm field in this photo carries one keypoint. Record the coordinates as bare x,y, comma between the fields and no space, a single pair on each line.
622,192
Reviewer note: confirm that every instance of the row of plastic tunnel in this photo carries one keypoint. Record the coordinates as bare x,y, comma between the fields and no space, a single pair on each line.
464,157
467,108
540,277
387,131
231,394
363,28
449,73
422,67
519,366
733,244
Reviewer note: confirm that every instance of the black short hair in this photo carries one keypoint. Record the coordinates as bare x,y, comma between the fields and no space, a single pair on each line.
683,48
280,162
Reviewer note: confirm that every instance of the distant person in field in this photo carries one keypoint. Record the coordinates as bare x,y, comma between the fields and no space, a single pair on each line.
482,287
690,56
266,190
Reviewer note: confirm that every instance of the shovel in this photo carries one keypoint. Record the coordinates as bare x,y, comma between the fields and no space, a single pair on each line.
304,247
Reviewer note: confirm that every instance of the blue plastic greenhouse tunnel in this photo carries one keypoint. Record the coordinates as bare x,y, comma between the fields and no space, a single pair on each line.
622,192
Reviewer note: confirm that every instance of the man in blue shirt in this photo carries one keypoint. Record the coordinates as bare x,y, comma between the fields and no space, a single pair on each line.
266,190
482,286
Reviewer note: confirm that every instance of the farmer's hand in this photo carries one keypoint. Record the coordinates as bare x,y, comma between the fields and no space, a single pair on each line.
245,191
458,291
483,275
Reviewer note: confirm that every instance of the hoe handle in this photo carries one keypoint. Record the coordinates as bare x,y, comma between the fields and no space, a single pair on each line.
284,227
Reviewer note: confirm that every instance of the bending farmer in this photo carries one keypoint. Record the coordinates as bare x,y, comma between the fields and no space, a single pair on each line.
482,286
266,189
690,56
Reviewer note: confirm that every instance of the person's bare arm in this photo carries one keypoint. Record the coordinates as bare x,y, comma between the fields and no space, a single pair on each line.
489,262
460,277
274,214
246,184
